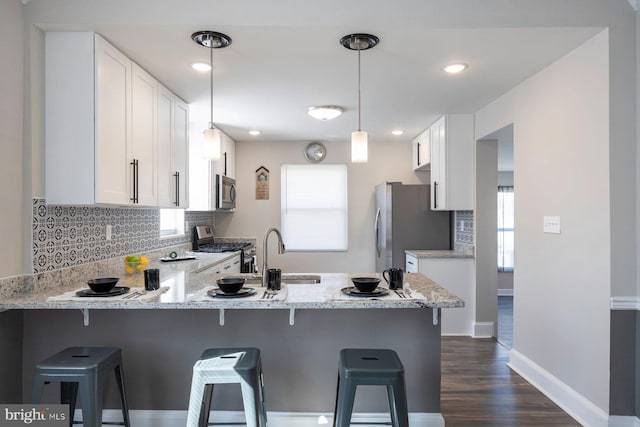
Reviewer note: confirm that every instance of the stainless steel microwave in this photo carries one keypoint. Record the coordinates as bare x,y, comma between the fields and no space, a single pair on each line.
226,189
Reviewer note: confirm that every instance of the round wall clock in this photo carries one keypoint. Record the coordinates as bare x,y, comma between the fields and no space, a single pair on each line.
315,152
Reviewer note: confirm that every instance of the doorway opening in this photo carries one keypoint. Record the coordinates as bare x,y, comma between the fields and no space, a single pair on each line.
495,233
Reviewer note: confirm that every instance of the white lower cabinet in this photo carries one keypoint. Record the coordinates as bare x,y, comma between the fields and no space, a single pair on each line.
230,266
457,275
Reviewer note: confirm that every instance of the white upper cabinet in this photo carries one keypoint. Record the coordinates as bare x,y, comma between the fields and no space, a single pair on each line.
102,124
421,146
143,147
452,167
202,173
180,151
173,137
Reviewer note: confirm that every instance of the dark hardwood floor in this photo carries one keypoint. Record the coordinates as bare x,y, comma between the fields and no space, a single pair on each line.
478,389
505,321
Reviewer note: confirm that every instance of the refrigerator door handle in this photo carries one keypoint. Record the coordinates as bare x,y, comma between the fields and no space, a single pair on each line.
377,230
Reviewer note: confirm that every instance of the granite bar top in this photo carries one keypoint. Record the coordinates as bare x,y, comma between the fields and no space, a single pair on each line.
437,254
185,282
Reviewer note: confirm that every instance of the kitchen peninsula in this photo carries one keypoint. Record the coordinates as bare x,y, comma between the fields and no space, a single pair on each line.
161,338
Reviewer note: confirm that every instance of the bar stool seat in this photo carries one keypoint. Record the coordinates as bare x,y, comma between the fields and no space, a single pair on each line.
225,366
83,370
370,367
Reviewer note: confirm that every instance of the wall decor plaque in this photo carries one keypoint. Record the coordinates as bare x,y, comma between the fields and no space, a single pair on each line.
262,183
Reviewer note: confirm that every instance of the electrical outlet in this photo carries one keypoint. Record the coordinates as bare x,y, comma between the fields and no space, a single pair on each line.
551,224
108,232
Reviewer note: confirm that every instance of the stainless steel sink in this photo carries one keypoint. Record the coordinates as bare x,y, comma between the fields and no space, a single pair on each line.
291,279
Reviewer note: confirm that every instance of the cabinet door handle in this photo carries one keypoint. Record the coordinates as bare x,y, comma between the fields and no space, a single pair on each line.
134,163
435,194
237,262
225,163
410,262
418,154
177,176
227,267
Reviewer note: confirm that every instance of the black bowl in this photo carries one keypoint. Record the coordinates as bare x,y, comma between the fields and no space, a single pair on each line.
230,285
365,284
104,284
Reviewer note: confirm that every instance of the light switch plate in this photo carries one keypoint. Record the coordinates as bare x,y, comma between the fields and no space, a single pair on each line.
551,224
108,232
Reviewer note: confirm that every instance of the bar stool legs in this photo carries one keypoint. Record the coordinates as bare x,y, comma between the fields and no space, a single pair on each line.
370,367
224,366
83,370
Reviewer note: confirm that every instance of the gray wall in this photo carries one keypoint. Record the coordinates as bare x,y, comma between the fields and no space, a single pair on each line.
637,357
11,170
623,362
486,236
300,362
563,144
388,161
11,357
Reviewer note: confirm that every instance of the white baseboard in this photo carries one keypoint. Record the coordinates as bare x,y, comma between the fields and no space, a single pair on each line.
622,421
143,418
505,292
625,303
572,402
483,329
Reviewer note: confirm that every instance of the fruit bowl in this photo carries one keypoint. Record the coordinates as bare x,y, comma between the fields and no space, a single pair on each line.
135,265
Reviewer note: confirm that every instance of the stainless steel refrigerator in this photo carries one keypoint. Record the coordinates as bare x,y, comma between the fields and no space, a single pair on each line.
404,220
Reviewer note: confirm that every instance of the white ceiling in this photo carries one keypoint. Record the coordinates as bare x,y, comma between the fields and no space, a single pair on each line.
283,59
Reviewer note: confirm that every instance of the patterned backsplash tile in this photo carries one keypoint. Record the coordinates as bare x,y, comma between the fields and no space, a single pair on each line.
65,236
464,230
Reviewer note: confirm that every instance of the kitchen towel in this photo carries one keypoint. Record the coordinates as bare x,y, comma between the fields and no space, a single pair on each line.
127,297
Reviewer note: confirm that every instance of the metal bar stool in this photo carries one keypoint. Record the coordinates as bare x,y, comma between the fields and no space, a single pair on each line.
370,367
83,370
225,366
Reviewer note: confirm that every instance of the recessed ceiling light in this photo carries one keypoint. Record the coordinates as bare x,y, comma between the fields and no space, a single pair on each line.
201,66
397,132
455,68
325,112
254,132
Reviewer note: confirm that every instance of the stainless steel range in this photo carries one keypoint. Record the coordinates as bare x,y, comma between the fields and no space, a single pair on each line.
204,240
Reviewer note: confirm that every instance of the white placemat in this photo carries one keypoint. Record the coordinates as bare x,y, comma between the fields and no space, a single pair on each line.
338,295
134,294
260,295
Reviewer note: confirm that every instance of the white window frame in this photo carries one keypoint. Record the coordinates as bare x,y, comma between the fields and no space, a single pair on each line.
338,213
171,223
505,229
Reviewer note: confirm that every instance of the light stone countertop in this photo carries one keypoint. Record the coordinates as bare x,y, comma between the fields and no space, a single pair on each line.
437,253
185,281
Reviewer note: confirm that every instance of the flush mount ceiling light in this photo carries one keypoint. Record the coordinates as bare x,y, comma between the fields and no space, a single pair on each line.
212,139
254,132
455,68
325,112
201,66
397,132
359,138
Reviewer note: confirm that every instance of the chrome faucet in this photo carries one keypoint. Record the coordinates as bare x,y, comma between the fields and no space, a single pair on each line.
281,250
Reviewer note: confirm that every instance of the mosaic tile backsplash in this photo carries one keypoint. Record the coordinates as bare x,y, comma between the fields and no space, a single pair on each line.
65,236
464,230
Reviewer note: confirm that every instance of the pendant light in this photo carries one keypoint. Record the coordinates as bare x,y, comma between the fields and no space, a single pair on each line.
359,138
212,141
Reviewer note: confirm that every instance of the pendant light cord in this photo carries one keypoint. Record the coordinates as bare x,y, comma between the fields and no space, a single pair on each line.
211,74
359,91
